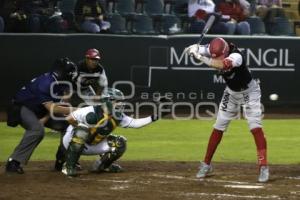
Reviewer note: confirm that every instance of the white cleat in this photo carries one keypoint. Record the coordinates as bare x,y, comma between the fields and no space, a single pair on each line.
70,172
64,171
264,174
204,170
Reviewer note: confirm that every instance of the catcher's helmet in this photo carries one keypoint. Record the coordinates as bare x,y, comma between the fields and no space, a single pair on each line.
92,54
113,98
114,94
218,47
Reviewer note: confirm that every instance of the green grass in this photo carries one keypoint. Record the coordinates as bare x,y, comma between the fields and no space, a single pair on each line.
183,141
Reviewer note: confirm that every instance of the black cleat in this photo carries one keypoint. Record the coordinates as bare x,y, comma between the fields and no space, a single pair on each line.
58,165
13,166
114,168
78,166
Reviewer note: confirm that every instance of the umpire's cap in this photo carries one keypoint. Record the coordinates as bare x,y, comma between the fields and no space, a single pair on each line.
92,54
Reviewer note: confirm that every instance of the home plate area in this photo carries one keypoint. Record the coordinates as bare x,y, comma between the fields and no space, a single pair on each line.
143,180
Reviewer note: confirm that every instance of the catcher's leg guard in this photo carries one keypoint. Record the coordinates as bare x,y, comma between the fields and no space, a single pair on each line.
118,146
75,149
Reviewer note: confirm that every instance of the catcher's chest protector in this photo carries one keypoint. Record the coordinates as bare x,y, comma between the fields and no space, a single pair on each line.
105,125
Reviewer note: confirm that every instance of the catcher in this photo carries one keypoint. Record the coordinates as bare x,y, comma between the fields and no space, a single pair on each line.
90,130
241,90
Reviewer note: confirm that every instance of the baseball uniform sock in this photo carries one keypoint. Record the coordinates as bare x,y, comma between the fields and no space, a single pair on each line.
261,146
213,143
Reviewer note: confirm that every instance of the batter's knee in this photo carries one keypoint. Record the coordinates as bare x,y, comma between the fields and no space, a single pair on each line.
221,125
254,123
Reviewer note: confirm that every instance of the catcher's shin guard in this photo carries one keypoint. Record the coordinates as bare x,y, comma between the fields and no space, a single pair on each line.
74,150
118,147
72,156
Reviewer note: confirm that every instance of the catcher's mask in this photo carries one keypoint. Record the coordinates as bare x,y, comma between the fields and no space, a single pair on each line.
114,100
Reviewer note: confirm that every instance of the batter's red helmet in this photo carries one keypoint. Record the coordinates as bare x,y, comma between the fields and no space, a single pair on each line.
92,54
218,47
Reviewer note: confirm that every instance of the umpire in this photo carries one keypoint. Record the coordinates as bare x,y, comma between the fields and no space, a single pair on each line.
31,108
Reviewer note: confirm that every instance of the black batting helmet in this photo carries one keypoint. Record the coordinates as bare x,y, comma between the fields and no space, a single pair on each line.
64,69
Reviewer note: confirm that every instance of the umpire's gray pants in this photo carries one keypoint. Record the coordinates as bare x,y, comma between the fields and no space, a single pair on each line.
34,133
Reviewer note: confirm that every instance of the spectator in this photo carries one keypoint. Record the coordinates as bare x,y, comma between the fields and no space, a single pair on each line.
90,15
44,16
35,16
2,11
198,11
206,5
237,14
269,10
263,7
14,18
2,24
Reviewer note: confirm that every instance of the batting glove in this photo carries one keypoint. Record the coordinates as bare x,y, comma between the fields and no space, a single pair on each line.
227,64
193,50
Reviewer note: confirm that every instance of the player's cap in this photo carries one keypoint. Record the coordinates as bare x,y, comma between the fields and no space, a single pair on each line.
218,47
92,54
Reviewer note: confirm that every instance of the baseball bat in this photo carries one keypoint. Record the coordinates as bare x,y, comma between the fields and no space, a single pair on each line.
207,26
92,90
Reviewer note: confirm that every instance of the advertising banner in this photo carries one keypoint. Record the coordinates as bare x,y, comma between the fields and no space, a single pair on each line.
148,66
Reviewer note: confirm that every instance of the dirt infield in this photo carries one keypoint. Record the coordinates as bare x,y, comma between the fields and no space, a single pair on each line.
151,180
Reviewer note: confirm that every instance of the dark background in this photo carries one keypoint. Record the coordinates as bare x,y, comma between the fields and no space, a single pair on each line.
129,57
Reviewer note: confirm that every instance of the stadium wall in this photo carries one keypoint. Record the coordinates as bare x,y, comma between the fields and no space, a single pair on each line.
154,64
